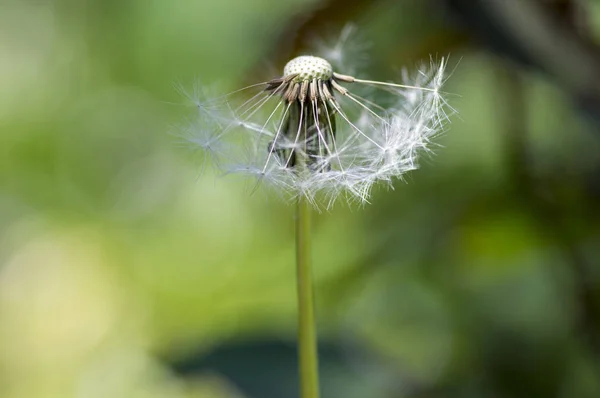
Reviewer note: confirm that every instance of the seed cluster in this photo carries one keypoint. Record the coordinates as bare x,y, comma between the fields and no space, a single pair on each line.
308,86
308,129
323,134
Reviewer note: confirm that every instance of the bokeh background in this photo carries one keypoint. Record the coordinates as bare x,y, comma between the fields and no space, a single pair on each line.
128,268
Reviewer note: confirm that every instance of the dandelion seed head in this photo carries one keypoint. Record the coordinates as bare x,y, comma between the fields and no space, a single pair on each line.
309,133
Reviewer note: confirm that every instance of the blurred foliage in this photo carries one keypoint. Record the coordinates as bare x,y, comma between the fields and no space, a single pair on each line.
126,272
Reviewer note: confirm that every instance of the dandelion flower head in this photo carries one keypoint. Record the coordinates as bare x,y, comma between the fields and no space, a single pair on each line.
315,132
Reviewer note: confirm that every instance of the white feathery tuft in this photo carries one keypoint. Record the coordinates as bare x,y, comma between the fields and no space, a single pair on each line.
309,134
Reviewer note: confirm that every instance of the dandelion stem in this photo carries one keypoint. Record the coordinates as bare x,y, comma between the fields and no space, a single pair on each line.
307,339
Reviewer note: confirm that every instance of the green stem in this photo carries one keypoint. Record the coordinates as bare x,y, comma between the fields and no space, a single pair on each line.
308,360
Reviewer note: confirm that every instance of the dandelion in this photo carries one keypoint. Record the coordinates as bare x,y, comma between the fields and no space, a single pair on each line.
323,133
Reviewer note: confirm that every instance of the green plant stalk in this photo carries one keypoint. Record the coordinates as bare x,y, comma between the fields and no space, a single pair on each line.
308,360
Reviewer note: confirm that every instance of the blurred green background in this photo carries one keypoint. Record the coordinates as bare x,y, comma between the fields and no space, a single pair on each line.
125,271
